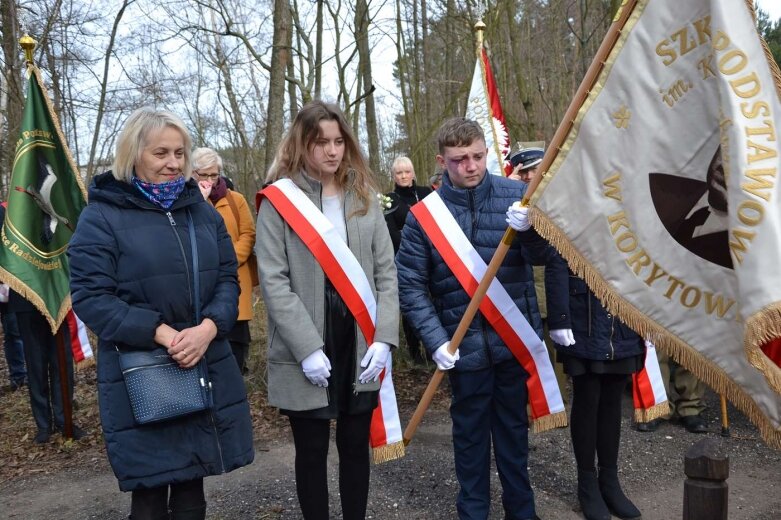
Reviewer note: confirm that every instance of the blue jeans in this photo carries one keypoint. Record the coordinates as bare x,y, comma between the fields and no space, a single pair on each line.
14,348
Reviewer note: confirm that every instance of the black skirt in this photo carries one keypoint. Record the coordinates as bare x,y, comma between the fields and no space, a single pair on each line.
340,348
577,366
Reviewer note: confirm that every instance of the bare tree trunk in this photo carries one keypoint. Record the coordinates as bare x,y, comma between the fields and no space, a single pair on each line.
291,73
103,87
341,64
276,99
362,22
13,81
403,74
244,158
516,34
427,69
319,50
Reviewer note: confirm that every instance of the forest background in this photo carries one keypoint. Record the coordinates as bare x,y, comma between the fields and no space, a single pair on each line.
237,71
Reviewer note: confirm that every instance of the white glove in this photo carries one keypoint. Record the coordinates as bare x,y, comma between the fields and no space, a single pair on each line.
443,358
375,359
518,217
563,337
317,368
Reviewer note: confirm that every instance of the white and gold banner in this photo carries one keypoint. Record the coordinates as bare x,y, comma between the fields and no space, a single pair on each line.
664,195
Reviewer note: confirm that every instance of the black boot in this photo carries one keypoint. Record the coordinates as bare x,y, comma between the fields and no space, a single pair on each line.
163,517
591,501
616,500
195,513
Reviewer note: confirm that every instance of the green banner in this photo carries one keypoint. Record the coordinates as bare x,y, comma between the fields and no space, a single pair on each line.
46,196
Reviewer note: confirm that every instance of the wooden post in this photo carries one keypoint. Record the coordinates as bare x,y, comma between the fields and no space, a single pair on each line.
67,410
705,490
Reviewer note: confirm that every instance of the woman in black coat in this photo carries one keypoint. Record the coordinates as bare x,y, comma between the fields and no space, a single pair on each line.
599,352
131,267
405,194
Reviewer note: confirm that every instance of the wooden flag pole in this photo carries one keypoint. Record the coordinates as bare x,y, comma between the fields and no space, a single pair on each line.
28,45
501,251
724,417
460,332
67,409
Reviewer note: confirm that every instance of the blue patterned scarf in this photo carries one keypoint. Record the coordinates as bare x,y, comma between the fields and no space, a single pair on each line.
163,194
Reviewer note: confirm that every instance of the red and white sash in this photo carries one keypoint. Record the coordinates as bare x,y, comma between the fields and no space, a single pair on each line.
498,308
648,389
348,278
80,345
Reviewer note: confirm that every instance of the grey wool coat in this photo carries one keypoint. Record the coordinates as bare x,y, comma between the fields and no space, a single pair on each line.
293,286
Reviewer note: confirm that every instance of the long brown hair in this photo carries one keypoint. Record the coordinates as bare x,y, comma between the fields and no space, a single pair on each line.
353,174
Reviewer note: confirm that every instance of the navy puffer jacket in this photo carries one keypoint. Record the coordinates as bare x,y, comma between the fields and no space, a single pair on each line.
432,299
599,335
129,274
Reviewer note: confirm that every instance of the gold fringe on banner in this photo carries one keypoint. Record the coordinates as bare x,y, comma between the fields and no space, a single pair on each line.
644,415
762,327
13,282
30,295
771,61
549,422
765,325
703,368
388,452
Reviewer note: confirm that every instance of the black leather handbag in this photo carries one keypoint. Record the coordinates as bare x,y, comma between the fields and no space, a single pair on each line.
158,388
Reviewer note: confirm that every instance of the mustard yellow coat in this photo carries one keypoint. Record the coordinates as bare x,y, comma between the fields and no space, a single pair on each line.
242,235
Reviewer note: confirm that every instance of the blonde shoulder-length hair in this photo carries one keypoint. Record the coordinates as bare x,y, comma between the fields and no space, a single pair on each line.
133,139
354,173
402,162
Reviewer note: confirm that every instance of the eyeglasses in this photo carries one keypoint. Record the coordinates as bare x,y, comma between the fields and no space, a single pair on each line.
206,176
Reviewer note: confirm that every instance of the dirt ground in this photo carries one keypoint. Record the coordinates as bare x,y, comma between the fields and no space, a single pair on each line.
66,480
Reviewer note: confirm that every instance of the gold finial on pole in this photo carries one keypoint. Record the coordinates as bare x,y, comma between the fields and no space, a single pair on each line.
28,44
479,28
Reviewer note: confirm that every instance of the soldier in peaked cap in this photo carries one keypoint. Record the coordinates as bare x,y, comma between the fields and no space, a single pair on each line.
525,163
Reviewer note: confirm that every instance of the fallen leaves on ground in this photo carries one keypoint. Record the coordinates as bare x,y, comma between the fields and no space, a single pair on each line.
22,457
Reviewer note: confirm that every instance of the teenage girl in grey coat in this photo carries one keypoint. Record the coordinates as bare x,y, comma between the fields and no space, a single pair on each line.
319,366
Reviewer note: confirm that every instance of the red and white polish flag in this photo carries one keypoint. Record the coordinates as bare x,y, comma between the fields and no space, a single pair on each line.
484,107
80,345
650,398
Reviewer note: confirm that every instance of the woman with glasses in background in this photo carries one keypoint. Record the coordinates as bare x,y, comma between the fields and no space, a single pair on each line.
207,167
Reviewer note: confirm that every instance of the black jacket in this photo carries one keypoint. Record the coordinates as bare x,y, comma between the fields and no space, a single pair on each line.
131,271
599,335
402,199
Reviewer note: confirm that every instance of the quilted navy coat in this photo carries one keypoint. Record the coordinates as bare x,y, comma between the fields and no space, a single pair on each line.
131,265
432,299
599,335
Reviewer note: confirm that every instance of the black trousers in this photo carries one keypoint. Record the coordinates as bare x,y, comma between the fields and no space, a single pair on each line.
413,342
187,501
311,438
43,369
595,419
239,339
